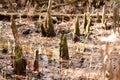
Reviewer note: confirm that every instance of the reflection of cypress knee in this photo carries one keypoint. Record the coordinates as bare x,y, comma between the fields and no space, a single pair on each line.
64,48
76,32
19,62
36,62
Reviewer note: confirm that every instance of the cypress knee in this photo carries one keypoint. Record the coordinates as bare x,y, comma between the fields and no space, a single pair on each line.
43,32
76,32
49,26
19,62
103,15
64,48
36,61
88,26
85,21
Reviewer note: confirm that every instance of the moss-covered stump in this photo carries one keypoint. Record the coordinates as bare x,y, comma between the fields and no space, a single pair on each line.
63,48
36,61
76,32
19,62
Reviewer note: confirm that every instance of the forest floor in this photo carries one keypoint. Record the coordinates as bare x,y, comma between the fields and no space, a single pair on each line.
87,57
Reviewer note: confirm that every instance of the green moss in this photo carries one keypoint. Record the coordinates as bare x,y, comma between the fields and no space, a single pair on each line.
36,62
76,32
64,48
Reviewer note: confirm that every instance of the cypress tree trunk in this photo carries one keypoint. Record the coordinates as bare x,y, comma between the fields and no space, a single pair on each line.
76,32
64,48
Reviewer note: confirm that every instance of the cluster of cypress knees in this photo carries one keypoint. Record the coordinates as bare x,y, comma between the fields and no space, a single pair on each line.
47,30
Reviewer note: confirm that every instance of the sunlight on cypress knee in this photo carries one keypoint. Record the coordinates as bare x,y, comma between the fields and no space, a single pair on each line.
43,32
88,26
103,15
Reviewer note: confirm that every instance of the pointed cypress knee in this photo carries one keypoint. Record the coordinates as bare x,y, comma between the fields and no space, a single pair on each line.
36,61
85,21
64,48
19,62
76,32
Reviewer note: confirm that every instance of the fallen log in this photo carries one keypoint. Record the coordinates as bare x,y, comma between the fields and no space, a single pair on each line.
5,15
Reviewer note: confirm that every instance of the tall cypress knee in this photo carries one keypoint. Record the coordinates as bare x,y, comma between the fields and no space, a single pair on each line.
19,62
64,48
76,32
